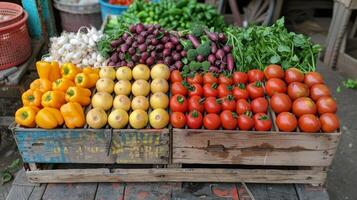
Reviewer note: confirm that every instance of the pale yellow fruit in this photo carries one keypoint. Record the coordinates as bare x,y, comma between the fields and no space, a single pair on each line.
140,88
124,73
159,85
138,119
107,72
160,71
141,72
122,87
159,118
140,103
122,102
96,118
118,118
102,100
105,85
159,100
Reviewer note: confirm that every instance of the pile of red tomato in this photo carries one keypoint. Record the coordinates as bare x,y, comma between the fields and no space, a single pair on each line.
300,100
227,101
238,101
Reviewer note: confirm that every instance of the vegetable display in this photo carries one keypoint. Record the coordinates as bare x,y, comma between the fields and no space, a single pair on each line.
176,15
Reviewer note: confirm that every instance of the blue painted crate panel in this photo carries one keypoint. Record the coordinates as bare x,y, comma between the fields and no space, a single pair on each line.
102,146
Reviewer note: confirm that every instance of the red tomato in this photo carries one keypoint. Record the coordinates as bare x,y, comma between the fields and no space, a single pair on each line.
329,122
210,90
309,123
195,89
228,103
224,90
293,75
197,78
280,102
255,75
259,105
228,120
178,119
275,85
212,105
319,90
194,119
240,77
297,89
245,122
242,106
262,122
225,79
304,105
210,78
178,103
196,103
286,121
273,71
211,121
240,92
312,78
255,90
178,88
326,105
175,76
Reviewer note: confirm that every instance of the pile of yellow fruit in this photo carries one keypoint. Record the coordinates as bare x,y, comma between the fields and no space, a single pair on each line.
132,89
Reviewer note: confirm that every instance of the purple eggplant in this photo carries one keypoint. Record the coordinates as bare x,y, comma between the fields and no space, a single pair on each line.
211,58
213,69
166,52
150,60
176,56
220,54
212,36
124,48
140,28
183,53
200,58
222,37
227,48
230,62
214,48
111,63
130,64
178,64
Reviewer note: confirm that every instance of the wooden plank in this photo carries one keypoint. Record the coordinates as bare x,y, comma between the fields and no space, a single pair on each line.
4,190
347,65
110,191
38,192
21,179
210,191
254,140
74,191
19,192
64,145
149,191
252,157
178,175
308,192
140,146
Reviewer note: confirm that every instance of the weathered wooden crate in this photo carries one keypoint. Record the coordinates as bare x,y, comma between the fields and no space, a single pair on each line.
97,146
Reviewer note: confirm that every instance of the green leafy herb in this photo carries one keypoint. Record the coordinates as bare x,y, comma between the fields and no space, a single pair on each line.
350,83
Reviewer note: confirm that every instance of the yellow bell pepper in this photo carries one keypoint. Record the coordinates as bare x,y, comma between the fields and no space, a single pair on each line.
79,95
73,115
49,118
48,70
42,85
62,84
86,80
91,70
69,71
31,98
54,99
26,115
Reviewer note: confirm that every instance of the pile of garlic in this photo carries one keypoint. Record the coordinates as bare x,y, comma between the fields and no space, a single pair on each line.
78,48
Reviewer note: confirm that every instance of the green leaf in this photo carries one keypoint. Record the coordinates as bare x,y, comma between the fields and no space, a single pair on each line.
295,58
338,89
185,61
283,48
275,59
6,177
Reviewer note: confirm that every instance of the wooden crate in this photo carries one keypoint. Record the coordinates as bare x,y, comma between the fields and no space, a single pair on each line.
98,146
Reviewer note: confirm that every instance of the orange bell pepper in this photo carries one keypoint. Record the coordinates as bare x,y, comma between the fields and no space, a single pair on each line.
86,80
49,118
79,95
31,98
43,85
69,71
73,115
54,99
48,70
91,70
62,84
26,115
